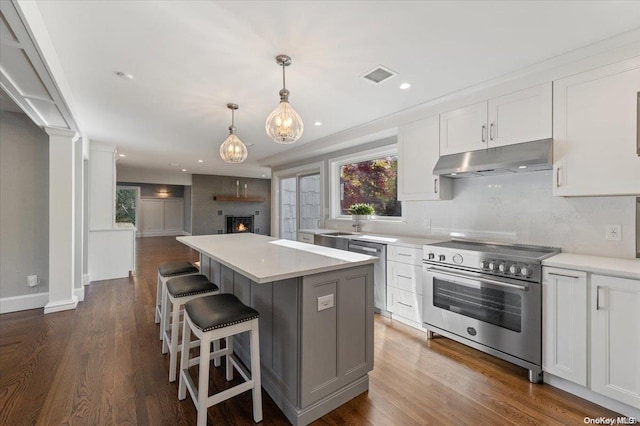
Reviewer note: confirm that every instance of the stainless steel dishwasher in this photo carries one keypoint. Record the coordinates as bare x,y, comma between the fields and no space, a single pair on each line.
379,271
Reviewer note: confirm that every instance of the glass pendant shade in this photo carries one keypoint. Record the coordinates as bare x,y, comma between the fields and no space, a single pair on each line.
284,125
233,150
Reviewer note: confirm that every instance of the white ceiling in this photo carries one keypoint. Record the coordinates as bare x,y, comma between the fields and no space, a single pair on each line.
190,58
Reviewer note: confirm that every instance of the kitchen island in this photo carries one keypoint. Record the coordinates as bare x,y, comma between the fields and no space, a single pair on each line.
316,316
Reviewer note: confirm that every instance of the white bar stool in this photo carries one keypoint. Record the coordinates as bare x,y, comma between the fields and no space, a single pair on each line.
211,318
167,271
180,290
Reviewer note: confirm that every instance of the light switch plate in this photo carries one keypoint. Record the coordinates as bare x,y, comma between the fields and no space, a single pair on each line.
325,302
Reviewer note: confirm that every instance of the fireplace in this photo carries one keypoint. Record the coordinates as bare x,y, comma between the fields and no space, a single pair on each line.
236,224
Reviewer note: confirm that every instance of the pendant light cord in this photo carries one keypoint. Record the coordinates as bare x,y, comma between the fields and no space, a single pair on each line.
283,80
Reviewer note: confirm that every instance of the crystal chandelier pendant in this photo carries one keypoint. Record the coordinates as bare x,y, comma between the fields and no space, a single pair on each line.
284,125
232,149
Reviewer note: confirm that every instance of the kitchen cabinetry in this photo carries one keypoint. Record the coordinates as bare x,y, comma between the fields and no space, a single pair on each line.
595,131
615,338
520,116
404,284
305,237
418,153
564,324
160,216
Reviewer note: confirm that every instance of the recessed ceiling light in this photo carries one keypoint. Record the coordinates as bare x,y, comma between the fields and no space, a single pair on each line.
405,86
317,123
184,170
454,174
123,75
522,167
121,155
200,161
263,175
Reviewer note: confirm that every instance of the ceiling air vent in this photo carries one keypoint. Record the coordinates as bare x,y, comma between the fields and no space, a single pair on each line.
379,74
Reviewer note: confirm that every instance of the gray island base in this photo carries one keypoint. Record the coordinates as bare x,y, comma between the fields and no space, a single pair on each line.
316,316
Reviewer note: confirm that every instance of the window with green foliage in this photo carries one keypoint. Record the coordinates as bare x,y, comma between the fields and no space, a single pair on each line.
372,181
126,205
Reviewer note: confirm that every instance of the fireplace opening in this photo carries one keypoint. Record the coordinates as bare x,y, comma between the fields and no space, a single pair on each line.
238,224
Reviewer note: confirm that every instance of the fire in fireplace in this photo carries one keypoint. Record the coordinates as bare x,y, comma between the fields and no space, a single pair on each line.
236,224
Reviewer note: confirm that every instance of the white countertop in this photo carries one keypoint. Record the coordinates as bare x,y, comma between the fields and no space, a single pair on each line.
264,259
395,240
625,268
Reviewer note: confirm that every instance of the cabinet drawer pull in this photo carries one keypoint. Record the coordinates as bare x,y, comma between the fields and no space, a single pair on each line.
483,130
404,254
404,304
491,131
404,276
563,275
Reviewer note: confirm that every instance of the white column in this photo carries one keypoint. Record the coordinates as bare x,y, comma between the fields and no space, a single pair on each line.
62,218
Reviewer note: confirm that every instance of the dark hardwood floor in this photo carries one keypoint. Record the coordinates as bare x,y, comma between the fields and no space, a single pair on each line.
101,364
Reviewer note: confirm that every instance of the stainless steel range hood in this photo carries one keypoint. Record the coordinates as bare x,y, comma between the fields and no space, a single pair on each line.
522,157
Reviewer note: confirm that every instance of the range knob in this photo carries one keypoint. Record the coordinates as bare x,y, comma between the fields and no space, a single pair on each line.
514,269
484,264
525,271
441,257
492,266
502,267
431,256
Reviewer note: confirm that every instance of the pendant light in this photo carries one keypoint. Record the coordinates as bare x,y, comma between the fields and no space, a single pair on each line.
233,150
284,125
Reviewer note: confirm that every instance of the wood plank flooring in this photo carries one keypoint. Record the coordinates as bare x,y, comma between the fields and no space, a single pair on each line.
102,365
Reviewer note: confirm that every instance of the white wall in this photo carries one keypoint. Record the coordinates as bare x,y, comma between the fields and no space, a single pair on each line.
520,208
135,174
24,205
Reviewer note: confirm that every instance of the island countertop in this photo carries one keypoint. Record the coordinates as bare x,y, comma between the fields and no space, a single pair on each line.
265,259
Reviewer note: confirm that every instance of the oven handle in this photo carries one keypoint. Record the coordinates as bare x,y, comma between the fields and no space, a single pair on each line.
478,277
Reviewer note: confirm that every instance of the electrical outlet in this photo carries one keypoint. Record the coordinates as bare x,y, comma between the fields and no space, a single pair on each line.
32,280
613,232
325,302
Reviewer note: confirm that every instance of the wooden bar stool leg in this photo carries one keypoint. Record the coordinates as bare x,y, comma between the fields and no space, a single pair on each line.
216,347
229,341
158,299
184,359
255,372
173,359
164,314
203,379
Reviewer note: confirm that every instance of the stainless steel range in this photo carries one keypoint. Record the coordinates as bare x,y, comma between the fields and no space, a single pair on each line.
487,296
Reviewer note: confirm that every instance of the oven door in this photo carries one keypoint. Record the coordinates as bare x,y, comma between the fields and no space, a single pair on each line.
501,313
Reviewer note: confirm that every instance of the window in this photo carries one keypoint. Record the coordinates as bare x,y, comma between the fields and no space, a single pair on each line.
368,178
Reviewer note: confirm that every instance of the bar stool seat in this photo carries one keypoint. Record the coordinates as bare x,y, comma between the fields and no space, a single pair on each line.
181,290
211,318
165,272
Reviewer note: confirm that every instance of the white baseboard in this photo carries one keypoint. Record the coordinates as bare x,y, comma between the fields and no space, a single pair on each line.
62,305
86,279
79,293
592,396
160,233
23,303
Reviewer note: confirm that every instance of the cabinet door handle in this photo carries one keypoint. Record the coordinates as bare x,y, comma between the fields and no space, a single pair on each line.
404,304
597,298
491,131
404,276
558,177
483,130
563,275
435,185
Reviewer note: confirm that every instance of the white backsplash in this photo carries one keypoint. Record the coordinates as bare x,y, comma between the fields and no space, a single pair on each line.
519,208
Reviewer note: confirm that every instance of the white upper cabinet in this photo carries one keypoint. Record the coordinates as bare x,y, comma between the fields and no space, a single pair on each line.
418,152
521,116
595,116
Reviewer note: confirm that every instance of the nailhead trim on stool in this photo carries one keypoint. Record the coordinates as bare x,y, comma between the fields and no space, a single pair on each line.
166,271
181,290
212,318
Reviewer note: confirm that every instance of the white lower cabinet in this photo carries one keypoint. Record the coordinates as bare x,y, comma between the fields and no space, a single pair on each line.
615,338
305,237
564,324
591,332
404,284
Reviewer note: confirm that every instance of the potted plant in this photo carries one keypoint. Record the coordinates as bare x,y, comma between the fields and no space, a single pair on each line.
361,211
